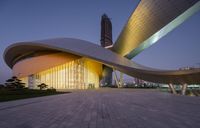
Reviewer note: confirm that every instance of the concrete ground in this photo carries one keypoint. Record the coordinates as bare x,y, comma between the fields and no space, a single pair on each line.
103,108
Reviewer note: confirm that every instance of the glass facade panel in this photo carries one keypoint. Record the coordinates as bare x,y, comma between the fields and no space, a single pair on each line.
77,74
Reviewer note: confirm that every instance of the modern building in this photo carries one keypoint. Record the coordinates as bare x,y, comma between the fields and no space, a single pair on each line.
57,69
66,63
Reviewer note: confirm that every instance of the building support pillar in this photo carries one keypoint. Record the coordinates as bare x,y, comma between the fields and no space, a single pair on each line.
184,88
107,76
172,89
121,79
32,81
115,77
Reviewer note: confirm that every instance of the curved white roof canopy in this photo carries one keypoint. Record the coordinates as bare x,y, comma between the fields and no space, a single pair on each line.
102,55
150,21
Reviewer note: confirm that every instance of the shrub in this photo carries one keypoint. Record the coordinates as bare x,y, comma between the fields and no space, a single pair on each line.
2,86
42,86
51,89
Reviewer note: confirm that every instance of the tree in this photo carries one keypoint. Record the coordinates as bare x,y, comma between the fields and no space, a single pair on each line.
15,83
42,86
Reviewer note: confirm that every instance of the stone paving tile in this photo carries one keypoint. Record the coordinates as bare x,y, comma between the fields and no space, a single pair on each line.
103,108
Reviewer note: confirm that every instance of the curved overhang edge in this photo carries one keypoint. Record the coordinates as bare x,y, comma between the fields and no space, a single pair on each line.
166,76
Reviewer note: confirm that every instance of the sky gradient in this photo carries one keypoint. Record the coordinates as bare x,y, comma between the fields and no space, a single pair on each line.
27,20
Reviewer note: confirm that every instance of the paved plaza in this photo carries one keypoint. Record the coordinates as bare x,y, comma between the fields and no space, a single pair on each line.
103,108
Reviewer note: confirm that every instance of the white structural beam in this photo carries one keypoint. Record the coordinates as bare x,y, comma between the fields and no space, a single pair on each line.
184,88
115,78
171,86
121,79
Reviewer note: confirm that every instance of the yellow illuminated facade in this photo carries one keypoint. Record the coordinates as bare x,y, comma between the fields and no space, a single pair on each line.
77,74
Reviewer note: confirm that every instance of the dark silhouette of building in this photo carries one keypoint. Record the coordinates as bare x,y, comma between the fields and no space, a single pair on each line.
106,31
106,41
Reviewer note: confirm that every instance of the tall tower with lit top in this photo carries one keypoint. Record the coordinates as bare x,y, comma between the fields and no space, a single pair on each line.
106,42
106,31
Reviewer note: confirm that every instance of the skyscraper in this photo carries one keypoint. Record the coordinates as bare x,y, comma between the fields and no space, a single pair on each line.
106,31
106,42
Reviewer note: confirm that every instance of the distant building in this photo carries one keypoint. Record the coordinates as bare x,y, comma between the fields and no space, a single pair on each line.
187,68
139,81
106,42
106,31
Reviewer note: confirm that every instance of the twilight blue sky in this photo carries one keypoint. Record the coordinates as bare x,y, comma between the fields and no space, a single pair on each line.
25,20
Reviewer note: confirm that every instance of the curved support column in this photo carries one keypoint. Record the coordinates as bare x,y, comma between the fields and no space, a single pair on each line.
121,79
172,89
116,79
184,88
